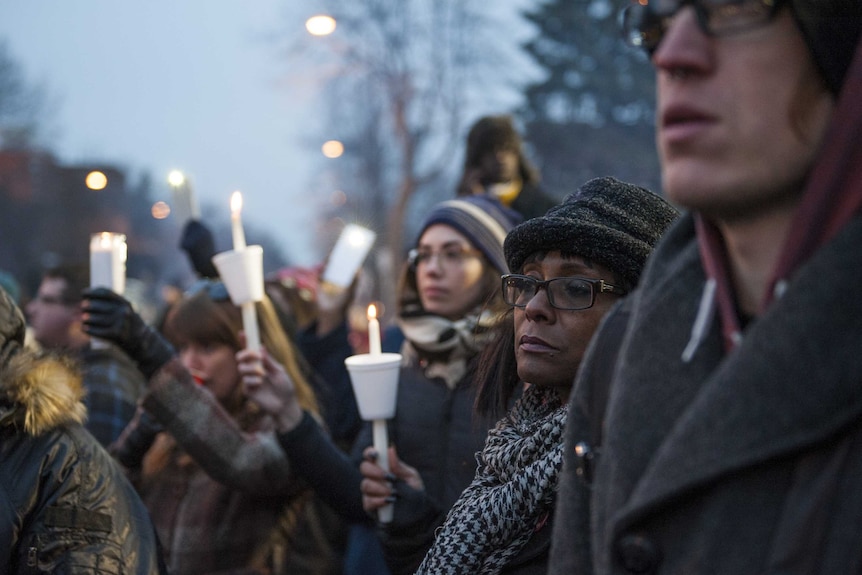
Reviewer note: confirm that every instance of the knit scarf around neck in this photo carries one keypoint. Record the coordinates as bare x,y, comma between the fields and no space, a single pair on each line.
515,485
445,346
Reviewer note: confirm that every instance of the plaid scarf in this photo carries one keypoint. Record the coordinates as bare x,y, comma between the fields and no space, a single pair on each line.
444,346
515,486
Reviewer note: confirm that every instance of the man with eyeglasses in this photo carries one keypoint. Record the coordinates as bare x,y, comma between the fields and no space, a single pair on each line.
726,435
111,378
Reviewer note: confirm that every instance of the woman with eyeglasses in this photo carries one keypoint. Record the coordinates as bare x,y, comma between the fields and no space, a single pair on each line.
572,266
223,496
449,304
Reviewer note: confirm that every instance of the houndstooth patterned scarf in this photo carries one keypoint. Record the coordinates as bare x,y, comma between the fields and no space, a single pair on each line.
515,485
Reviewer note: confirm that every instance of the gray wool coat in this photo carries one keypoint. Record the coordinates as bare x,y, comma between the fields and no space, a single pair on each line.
733,464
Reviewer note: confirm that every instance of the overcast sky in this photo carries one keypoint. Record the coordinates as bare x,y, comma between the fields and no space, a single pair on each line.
194,85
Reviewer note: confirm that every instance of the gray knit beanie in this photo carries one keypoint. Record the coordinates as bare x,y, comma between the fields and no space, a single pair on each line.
607,221
483,220
831,29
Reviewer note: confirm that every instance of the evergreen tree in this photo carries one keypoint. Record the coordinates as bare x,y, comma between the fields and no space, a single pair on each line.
593,114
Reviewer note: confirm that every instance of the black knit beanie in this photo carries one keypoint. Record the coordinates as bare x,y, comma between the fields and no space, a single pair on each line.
831,29
607,221
482,219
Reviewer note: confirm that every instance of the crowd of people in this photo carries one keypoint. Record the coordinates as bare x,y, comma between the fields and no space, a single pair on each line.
619,381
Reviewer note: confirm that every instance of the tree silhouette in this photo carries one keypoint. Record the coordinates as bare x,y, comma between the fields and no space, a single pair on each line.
592,114
397,78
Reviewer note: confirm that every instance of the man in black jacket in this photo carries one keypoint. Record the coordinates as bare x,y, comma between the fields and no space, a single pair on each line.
66,507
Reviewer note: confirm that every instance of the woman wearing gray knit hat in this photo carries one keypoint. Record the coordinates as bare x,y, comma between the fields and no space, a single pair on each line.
583,255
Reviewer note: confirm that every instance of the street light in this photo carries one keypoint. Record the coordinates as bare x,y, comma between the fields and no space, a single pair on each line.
320,25
160,210
332,149
96,180
176,178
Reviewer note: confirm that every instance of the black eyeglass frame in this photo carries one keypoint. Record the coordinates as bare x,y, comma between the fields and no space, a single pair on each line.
648,38
597,286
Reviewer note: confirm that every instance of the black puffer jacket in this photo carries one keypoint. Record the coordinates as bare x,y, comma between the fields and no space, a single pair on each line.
64,505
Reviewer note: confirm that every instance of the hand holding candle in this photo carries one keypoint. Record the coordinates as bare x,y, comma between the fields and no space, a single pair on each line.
380,434
242,272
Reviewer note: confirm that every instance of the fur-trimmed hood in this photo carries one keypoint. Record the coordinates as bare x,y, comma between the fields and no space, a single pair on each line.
40,392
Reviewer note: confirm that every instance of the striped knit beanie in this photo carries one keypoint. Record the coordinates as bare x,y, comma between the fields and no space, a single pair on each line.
482,219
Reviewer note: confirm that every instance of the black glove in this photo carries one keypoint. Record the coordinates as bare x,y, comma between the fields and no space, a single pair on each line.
138,438
197,242
109,316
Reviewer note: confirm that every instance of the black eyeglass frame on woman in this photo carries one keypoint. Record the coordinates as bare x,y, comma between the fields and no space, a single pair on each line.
644,23
591,285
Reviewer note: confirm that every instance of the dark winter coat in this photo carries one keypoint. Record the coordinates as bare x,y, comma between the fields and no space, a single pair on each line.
331,381
533,201
222,494
66,507
748,462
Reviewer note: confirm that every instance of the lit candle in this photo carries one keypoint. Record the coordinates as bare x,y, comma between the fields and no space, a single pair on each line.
108,261
236,221
108,254
373,331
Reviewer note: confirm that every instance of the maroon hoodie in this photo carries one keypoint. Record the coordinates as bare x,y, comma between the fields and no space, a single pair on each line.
833,195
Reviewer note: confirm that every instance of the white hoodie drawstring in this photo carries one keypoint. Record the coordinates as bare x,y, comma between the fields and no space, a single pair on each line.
702,322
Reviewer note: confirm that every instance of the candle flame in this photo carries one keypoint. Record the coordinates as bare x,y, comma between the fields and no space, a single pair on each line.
372,312
235,203
105,239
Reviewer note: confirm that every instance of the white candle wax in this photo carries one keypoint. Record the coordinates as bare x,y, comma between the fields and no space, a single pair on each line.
374,347
381,446
108,261
108,254
236,221
249,325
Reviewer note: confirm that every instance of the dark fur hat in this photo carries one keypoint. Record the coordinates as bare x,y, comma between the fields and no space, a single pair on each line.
607,221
